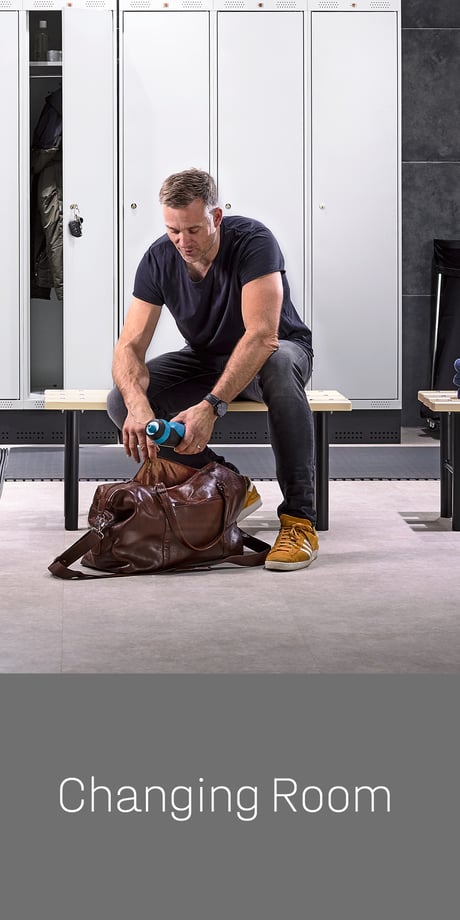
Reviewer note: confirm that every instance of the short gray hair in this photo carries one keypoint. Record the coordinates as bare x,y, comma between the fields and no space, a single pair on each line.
180,189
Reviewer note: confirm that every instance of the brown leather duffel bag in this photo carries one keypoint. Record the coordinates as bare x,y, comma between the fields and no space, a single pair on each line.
169,517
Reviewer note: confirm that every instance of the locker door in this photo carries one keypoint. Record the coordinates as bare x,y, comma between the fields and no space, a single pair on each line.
354,135
260,115
165,129
9,205
89,147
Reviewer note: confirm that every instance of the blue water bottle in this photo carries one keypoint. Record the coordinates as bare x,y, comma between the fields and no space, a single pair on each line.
165,433
457,376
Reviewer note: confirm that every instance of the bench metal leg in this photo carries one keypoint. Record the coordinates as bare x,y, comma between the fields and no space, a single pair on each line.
445,448
455,471
71,463
322,469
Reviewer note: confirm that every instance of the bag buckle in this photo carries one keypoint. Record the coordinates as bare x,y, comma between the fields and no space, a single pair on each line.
99,525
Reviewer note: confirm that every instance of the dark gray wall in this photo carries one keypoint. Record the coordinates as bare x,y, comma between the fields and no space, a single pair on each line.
430,172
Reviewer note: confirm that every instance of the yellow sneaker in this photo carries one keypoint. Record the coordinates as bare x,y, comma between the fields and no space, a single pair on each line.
252,501
296,545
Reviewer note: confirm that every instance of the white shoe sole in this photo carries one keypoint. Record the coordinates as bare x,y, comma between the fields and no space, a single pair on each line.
290,566
245,512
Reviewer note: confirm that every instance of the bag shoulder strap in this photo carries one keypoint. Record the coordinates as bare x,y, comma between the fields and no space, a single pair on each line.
256,557
60,567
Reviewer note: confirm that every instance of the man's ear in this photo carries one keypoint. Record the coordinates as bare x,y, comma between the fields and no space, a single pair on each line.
217,217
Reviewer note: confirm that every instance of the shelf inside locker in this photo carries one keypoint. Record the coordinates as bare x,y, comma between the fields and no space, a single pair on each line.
45,68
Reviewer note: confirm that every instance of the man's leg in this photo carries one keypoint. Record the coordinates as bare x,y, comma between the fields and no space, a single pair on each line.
281,384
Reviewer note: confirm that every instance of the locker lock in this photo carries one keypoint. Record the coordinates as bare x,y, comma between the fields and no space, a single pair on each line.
75,224
322,207
133,205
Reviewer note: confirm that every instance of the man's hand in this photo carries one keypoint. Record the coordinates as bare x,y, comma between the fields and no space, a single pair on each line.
199,423
134,436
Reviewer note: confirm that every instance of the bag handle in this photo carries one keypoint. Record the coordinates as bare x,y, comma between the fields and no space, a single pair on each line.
168,508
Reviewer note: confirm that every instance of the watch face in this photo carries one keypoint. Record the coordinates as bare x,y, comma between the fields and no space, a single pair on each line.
220,409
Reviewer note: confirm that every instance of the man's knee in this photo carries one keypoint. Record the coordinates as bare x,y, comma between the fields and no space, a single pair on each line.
288,365
116,409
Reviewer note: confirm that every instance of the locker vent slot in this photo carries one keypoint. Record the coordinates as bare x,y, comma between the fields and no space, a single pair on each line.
140,4
329,4
234,4
43,4
365,436
192,4
6,403
95,3
381,404
380,4
6,4
238,436
286,5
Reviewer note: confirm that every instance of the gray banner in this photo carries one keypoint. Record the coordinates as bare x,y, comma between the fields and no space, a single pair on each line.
222,797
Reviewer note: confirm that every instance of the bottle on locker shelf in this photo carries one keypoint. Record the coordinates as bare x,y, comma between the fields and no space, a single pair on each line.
40,47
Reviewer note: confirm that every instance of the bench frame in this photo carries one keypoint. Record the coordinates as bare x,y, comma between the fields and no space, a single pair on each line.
73,402
447,404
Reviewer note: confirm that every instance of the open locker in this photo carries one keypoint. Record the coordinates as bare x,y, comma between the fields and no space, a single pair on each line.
60,316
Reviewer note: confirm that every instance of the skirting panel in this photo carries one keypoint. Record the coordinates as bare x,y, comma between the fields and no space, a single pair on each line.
41,426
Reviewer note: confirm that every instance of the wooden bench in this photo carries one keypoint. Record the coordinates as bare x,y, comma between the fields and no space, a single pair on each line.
447,404
72,402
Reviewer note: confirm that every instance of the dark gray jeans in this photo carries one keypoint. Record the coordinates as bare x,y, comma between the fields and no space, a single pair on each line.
180,379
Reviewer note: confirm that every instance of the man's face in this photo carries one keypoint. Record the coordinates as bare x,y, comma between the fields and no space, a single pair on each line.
193,230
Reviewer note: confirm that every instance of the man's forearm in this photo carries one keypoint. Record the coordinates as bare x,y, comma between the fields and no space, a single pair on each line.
131,376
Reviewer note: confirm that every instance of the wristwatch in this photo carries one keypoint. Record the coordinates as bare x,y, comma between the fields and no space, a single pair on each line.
219,406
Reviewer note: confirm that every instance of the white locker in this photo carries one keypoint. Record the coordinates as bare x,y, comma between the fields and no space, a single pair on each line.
260,127
89,148
9,202
165,128
355,251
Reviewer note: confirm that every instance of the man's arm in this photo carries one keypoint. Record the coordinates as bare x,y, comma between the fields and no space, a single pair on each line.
131,376
261,302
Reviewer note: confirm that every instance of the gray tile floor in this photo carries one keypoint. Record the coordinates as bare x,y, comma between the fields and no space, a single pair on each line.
381,597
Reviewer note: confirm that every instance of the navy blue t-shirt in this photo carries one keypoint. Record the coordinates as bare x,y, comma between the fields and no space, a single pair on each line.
208,312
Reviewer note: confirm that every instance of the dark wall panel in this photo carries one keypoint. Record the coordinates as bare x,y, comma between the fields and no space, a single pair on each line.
430,173
421,14
431,208
416,357
431,94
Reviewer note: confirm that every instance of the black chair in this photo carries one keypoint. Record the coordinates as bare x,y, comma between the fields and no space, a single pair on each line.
446,328
445,324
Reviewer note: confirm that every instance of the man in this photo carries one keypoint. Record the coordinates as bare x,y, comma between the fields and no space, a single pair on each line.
224,282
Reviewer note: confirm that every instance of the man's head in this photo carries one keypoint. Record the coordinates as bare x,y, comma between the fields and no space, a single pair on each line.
180,189
192,216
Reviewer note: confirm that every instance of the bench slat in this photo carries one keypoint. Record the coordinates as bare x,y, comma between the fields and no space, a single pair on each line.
440,400
319,400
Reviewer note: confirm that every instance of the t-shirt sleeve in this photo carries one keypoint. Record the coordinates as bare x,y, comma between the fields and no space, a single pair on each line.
260,255
147,282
